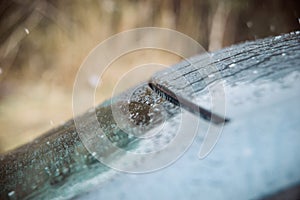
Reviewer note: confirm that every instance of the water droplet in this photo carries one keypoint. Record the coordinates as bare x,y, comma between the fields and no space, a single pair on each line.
65,170
93,80
26,31
255,72
232,65
94,154
278,37
57,173
210,75
249,24
33,187
11,194
283,54
272,28
48,142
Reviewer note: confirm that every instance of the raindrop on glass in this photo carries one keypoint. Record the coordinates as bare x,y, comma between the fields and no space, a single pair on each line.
210,75
278,37
232,65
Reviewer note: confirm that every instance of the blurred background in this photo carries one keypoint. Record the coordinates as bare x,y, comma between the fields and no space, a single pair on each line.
44,42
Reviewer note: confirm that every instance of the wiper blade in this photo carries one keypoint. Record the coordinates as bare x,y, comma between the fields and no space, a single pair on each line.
188,105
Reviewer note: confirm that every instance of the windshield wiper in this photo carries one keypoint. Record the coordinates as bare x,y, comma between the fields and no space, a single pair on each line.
188,105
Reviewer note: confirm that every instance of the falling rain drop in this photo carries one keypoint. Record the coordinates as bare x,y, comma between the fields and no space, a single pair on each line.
249,24
26,31
11,194
272,28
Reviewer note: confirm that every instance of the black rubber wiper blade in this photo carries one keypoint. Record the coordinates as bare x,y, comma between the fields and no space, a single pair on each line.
188,105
